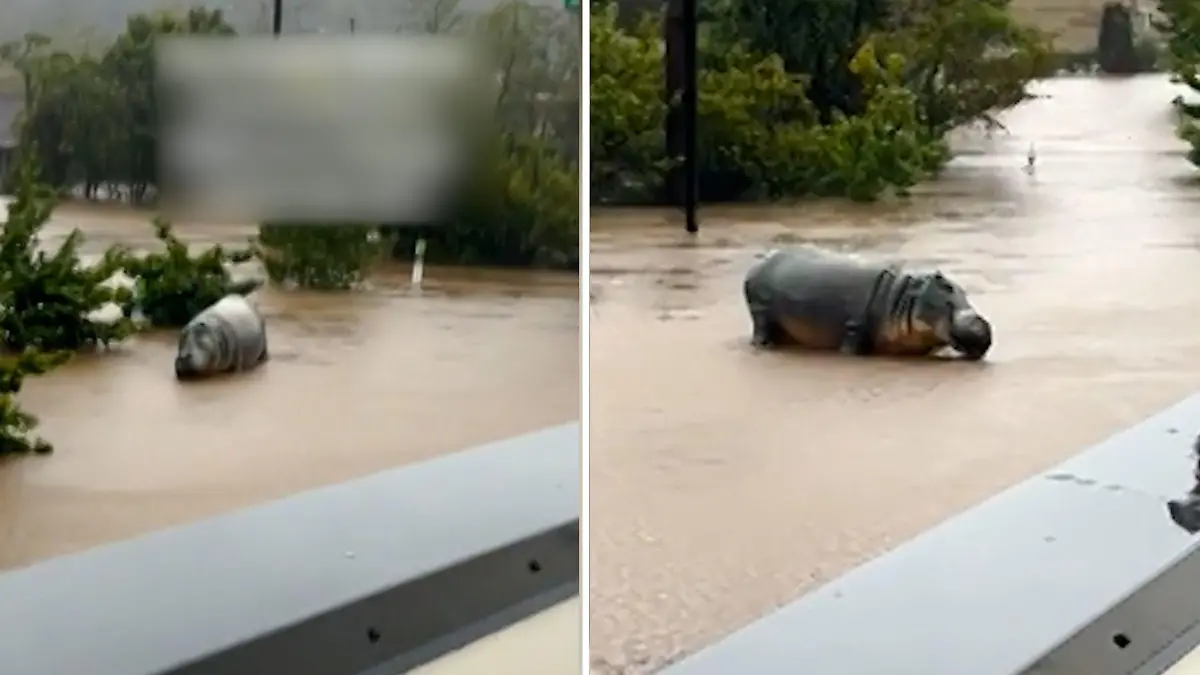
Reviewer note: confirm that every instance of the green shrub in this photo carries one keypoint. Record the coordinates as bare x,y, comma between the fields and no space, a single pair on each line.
797,99
319,257
1180,28
627,109
17,425
747,106
45,299
175,285
759,135
521,209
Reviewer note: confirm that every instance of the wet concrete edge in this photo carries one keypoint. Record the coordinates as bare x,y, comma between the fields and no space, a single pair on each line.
398,567
1076,570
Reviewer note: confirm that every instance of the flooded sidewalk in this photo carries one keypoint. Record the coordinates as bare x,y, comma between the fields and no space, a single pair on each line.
727,482
357,383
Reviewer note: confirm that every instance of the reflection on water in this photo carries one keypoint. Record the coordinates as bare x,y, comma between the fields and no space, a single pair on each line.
726,482
357,383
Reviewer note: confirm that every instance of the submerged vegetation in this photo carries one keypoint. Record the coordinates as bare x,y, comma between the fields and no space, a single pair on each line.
89,130
53,302
1180,25
806,99
91,122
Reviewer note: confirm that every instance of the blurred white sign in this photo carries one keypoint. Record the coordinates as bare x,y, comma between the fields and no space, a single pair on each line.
316,128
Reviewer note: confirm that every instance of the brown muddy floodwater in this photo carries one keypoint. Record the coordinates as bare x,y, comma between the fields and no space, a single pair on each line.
357,383
726,483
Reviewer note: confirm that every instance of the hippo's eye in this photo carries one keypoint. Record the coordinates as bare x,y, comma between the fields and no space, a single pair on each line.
944,284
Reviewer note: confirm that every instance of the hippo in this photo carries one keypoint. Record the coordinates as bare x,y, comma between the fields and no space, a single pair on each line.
228,336
825,300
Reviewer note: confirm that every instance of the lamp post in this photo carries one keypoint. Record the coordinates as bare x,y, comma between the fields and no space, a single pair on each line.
681,65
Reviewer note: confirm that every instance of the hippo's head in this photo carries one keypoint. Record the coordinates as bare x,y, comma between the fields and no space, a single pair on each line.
942,305
199,351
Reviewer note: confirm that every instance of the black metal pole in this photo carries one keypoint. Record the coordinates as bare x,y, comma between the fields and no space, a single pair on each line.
690,103
277,18
679,33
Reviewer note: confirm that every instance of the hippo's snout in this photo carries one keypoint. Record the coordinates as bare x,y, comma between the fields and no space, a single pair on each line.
971,334
183,369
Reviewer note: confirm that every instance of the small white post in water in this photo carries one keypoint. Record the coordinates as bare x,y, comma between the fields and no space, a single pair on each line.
418,272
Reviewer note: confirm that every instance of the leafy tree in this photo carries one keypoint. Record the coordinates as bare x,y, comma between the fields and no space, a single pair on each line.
751,111
537,189
860,157
816,38
760,134
432,17
131,60
519,204
809,97
628,110
965,59
21,55
46,299
94,120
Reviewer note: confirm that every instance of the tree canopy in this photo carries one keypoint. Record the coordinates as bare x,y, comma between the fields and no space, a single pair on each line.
807,97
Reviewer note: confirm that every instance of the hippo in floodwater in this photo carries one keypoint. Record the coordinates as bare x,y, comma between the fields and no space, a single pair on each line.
1185,512
226,337
824,300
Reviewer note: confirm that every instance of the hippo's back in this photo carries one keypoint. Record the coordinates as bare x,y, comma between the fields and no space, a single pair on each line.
812,283
245,324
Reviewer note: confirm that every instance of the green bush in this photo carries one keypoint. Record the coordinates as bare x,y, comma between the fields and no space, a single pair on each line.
1180,26
320,257
627,108
174,285
759,135
748,105
45,299
44,305
17,425
861,113
521,209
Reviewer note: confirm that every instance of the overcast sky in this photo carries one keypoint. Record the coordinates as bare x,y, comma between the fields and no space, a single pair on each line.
103,19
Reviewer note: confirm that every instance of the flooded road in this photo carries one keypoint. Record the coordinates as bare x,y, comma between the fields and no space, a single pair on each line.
726,483
357,383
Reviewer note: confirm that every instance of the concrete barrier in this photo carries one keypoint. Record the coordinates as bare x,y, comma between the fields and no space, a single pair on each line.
1076,571
375,576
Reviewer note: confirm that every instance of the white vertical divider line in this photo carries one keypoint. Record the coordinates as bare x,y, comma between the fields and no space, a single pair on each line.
585,321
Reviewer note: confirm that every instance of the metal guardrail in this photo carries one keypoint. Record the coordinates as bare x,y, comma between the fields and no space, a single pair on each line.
374,577
547,643
1077,571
